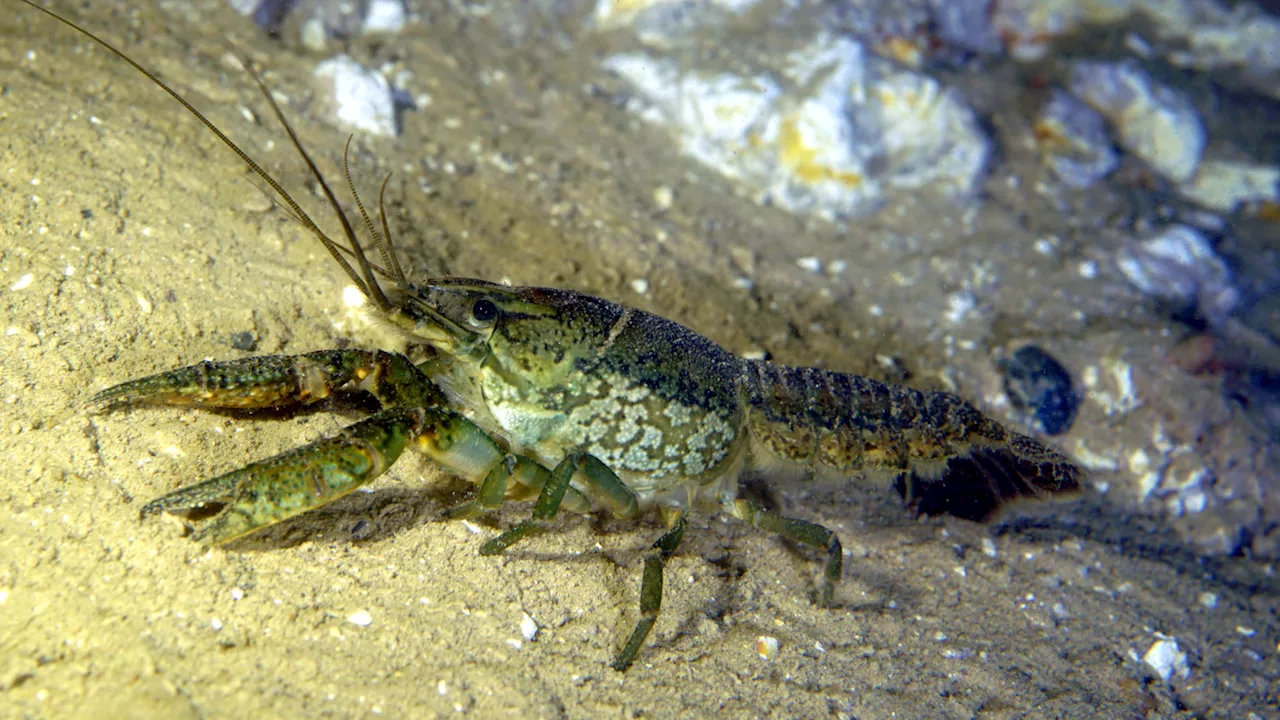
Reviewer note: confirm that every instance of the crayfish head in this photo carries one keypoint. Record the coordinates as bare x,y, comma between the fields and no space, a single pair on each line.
532,337
455,316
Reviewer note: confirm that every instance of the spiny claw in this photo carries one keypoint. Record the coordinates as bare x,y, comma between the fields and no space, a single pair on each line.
267,492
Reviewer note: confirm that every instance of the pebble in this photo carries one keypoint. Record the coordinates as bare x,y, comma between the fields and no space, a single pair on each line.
663,197
989,547
1040,387
1167,659
827,129
528,628
361,618
812,264
1154,122
1072,138
1225,186
1178,265
363,97
384,16
767,647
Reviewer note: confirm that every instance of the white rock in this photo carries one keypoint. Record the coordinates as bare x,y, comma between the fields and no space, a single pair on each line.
363,97
244,7
810,263
361,618
1154,122
663,197
528,628
967,24
847,127
1177,264
930,136
1030,26
1072,138
1223,186
654,18
1167,660
715,114
989,547
384,16
313,35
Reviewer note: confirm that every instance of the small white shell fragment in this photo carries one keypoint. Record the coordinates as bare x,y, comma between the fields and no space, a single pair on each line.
767,647
959,305
384,16
353,297
361,618
989,547
640,285
1154,122
22,282
812,264
313,35
215,624
528,628
1072,138
663,197
1224,186
244,7
363,96
1166,659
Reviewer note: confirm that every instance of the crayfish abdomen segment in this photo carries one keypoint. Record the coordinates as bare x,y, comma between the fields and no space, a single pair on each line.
942,453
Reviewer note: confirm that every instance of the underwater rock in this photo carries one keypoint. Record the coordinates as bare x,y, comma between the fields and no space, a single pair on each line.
1167,659
1029,27
1073,140
827,135
655,15
325,19
1224,186
1154,122
1040,388
930,136
363,98
1202,34
1211,35
966,24
1179,266
384,16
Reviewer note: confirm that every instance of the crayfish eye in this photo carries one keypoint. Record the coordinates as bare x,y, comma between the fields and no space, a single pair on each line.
483,313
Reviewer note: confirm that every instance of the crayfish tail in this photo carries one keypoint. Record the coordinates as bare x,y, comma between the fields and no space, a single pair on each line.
981,483
942,453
